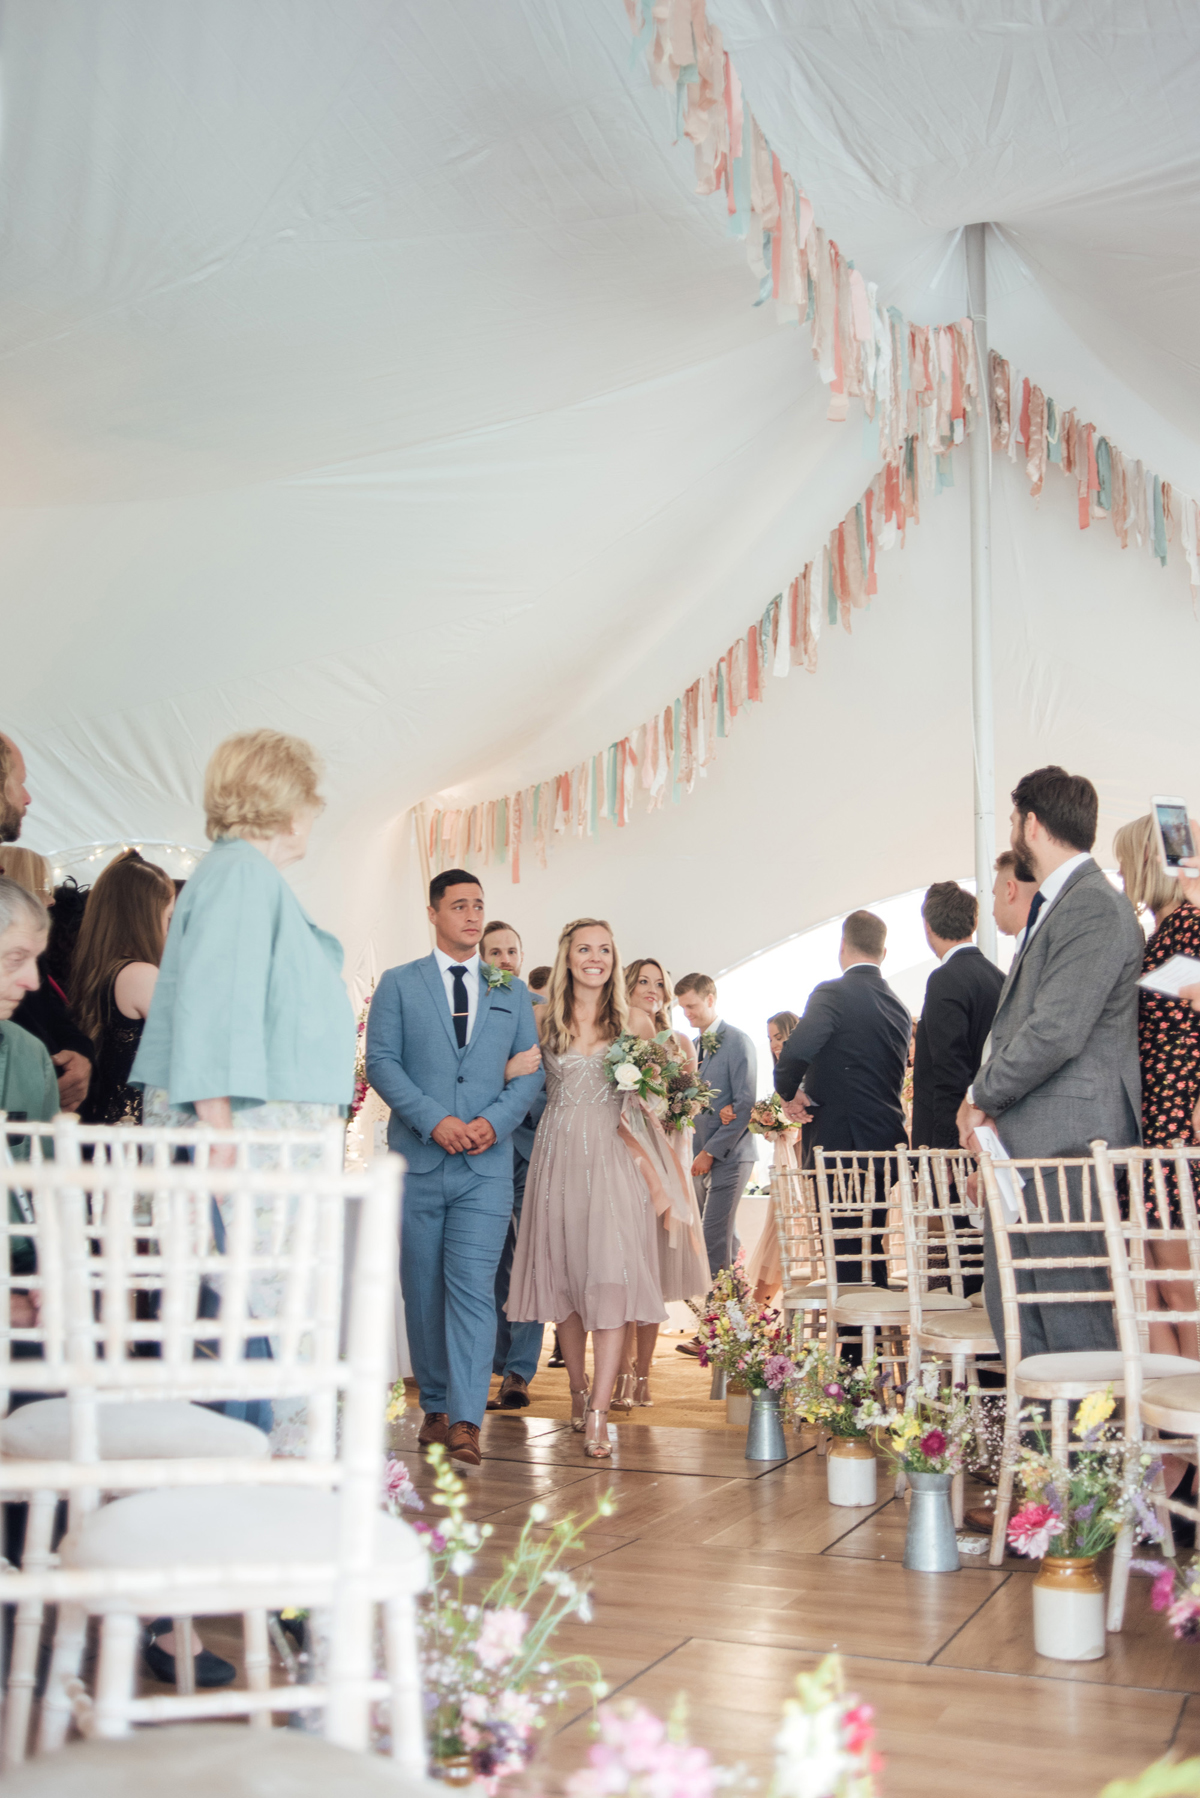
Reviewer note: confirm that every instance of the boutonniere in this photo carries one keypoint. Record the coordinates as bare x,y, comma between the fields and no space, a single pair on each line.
710,1042
495,977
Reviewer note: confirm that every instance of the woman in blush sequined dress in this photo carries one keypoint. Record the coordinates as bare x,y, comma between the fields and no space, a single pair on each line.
587,1252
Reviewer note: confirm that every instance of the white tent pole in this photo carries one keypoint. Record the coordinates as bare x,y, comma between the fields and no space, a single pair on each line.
983,728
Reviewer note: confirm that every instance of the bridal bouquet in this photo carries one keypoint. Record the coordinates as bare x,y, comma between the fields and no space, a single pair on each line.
749,1341
1078,1510
767,1119
633,1065
687,1096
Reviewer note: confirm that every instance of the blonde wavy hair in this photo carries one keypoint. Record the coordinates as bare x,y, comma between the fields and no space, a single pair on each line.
558,1011
662,1017
257,782
1148,886
29,869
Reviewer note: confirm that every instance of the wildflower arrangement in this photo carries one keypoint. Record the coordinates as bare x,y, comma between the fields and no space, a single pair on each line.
749,1340
767,1119
361,1085
932,1433
822,1750
1176,1590
487,1670
397,1403
828,1391
1078,1510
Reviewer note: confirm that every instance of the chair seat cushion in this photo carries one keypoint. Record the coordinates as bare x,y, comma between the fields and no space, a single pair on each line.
977,1298
200,1526
816,1293
196,1760
158,1429
960,1326
1173,1403
1098,1367
893,1300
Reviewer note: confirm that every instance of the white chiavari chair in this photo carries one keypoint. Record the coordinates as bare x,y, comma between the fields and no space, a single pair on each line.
40,1431
1035,1267
197,1536
943,1249
860,1230
802,1261
1158,1396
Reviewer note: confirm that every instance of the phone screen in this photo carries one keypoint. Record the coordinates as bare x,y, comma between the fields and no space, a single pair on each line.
1176,832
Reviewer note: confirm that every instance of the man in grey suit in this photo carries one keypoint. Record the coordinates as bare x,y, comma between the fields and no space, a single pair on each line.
725,1153
439,1036
1061,1065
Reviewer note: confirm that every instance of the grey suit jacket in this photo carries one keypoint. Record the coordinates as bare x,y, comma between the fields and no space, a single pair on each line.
1061,1065
733,1071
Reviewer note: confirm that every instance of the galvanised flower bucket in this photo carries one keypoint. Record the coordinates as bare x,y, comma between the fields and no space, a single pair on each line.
764,1438
718,1383
931,1545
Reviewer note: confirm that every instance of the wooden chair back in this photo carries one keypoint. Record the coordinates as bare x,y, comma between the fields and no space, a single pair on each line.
1139,1286
1041,1200
798,1227
943,1236
858,1222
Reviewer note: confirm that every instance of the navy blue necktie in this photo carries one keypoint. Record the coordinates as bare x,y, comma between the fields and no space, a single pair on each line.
1039,899
461,1012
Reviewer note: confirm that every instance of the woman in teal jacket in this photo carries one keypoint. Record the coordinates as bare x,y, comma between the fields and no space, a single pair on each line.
250,1025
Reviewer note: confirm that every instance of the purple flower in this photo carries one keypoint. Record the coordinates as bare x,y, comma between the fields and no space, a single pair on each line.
1150,1527
1084,1512
777,1370
932,1443
833,1390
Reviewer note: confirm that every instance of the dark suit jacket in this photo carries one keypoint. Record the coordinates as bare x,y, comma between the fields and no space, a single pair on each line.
961,998
851,1049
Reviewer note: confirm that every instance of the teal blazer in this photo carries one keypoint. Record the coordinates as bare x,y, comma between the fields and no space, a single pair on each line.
249,1003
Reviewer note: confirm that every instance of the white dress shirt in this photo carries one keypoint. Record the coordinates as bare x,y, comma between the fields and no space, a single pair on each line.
471,969
1050,888
953,950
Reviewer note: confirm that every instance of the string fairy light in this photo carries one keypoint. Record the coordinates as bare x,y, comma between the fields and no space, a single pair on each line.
86,856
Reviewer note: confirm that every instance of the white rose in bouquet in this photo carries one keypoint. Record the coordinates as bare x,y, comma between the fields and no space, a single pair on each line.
627,1075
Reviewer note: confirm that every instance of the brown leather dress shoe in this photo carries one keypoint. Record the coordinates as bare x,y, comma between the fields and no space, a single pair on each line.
435,1428
691,1348
463,1443
514,1392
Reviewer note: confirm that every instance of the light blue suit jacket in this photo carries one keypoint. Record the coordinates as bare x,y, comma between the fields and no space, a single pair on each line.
416,1066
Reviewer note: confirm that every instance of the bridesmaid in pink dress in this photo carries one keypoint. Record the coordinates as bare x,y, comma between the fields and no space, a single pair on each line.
586,1257
683,1265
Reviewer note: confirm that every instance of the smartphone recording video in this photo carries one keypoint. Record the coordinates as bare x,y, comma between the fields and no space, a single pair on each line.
1173,830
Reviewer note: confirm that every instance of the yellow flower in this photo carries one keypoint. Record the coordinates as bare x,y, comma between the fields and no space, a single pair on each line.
1094,1410
905,1428
397,1403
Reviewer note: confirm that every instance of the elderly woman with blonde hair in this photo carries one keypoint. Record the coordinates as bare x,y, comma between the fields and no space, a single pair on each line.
250,1025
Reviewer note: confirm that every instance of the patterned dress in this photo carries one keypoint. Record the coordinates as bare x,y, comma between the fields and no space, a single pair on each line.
1169,1049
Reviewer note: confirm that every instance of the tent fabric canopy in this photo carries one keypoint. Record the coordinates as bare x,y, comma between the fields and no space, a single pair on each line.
371,370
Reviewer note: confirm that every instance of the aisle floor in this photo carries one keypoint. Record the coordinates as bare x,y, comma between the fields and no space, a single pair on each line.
722,1578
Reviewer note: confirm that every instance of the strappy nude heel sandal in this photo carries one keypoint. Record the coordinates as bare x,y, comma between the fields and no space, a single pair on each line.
579,1410
622,1399
598,1448
641,1392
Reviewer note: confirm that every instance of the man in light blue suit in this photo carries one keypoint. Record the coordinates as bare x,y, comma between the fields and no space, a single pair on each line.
725,1153
438,1039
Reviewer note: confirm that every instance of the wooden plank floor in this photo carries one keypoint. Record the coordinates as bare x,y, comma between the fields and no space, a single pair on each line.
722,1578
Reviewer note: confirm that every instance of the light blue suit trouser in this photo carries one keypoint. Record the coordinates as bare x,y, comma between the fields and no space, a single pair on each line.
452,1237
518,1346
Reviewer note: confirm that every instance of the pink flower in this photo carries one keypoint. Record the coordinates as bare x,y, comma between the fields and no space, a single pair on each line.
500,1636
932,1443
1034,1528
398,1489
1163,1589
859,1725
833,1390
1184,1618
777,1370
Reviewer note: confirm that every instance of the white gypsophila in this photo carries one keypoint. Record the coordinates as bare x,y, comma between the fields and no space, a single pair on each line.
809,1758
461,1564
627,1075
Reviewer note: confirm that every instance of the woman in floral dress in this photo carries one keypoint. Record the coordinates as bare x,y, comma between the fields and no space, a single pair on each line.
1169,1051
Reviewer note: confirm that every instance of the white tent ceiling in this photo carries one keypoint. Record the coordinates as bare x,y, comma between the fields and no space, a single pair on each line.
370,369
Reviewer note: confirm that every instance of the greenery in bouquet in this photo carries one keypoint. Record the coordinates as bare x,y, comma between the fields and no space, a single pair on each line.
830,1392
1078,1510
750,1341
767,1119
488,1671
823,1749
932,1433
